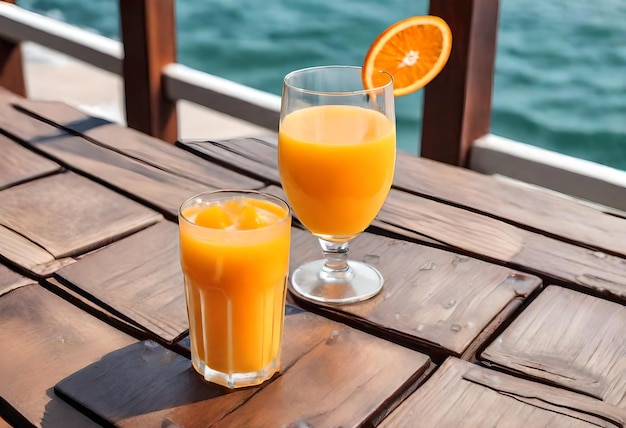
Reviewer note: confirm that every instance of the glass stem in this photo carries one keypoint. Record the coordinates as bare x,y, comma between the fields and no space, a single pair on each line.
336,266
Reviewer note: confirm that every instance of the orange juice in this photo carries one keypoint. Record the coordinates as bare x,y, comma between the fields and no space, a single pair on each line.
336,166
235,260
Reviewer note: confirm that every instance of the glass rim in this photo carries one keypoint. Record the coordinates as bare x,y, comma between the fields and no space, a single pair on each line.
262,195
335,93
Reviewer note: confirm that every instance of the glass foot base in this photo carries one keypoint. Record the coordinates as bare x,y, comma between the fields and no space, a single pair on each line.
312,283
235,380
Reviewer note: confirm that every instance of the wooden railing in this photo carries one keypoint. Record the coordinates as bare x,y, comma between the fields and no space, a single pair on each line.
457,104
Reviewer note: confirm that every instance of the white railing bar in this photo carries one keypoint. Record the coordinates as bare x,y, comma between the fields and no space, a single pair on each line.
226,96
20,25
584,179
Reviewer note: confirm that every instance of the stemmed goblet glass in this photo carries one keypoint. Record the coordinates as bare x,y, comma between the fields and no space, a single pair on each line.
336,157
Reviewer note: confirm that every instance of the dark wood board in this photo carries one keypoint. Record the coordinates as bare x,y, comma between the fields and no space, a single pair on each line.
431,297
45,339
492,239
529,207
10,280
569,339
146,385
139,279
462,394
18,164
136,145
80,215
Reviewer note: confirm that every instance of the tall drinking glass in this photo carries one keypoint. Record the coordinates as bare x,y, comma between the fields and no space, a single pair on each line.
336,156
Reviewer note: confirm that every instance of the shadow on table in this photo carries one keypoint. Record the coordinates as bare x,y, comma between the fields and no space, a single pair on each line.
141,383
143,380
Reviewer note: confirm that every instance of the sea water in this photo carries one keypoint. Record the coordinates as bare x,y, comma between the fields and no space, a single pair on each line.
560,80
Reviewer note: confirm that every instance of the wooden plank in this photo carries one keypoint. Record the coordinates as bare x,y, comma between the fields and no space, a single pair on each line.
149,37
431,299
10,280
252,156
18,164
27,255
528,207
151,184
136,145
138,279
323,362
457,103
490,239
568,339
45,339
464,394
80,215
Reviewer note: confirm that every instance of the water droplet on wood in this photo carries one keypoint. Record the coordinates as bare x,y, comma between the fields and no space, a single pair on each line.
521,284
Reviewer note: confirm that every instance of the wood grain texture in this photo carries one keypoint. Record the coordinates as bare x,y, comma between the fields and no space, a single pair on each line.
139,279
155,185
569,339
80,215
529,207
10,280
254,156
44,339
467,395
25,254
491,239
323,362
136,145
18,164
430,297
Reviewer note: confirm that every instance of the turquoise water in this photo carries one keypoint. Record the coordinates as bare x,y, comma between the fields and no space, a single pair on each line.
560,79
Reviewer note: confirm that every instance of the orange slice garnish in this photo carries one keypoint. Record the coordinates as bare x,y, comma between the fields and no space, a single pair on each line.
413,51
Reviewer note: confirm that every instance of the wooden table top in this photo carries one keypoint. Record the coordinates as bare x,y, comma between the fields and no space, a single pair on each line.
503,304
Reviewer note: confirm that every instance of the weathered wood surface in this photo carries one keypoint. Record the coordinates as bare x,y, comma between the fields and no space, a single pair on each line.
18,164
138,279
528,207
569,339
452,227
442,301
10,280
332,375
27,255
164,187
67,214
45,339
464,394
253,156
135,145
495,240
430,298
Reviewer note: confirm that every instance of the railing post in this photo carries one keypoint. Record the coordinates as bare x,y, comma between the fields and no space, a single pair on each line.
457,103
149,39
11,67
